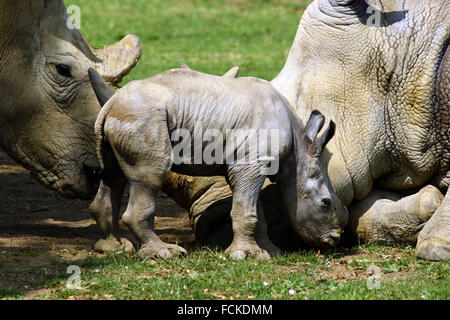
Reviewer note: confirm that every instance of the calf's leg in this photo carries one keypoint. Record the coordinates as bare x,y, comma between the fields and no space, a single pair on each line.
140,217
142,148
246,186
262,233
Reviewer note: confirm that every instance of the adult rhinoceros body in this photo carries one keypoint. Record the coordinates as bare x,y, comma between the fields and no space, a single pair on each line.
382,74
47,105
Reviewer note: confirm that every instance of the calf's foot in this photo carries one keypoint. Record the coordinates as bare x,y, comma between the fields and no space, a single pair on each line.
160,249
239,250
112,244
267,245
140,219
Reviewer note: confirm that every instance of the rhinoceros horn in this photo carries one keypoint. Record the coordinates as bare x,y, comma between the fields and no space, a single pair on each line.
102,90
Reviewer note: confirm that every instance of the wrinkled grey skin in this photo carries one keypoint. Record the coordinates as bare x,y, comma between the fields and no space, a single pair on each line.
135,135
387,88
47,105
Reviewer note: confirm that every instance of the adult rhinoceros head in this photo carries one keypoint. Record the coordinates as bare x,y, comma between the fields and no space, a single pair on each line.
47,105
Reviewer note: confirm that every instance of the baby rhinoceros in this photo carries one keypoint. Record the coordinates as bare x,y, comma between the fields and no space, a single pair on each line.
204,125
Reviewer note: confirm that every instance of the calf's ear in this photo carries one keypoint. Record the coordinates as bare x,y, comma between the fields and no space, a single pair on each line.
184,66
314,125
314,144
232,73
323,140
312,129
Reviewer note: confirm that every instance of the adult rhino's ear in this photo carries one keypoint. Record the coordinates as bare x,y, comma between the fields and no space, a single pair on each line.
116,61
102,90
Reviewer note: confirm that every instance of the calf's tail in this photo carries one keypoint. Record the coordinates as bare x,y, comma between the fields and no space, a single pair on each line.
104,92
100,133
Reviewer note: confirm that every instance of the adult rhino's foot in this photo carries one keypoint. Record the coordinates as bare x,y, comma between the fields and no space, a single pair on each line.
112,244
239,250
434,240
160,249
385,217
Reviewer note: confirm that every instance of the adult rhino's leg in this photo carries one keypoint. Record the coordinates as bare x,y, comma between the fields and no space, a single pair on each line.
434,239
386,217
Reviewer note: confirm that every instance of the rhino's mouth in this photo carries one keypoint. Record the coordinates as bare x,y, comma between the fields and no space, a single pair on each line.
84,186
330,239
92,180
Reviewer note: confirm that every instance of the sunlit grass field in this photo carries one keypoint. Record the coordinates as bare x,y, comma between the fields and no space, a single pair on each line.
208,35
213,36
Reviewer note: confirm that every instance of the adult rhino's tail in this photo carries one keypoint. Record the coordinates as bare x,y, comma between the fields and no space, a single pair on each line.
104,93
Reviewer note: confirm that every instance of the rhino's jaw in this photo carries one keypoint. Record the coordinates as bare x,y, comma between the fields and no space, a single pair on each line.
317,237
70,179
86,188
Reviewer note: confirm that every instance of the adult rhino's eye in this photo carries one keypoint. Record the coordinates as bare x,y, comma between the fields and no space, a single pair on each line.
63,70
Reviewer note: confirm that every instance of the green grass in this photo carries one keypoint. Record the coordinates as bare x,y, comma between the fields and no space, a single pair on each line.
209,35
9,293
212,36
206,274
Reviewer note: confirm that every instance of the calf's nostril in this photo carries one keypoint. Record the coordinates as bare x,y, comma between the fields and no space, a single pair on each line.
326,202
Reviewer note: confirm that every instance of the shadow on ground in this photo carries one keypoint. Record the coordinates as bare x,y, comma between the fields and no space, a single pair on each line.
39,230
